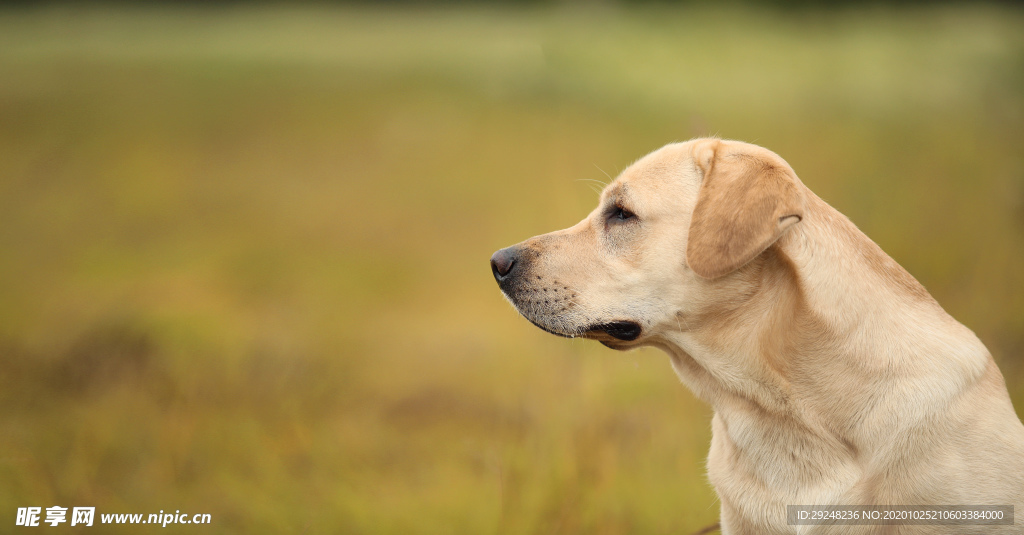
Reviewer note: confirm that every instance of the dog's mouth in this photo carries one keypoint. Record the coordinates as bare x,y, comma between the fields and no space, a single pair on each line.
626,331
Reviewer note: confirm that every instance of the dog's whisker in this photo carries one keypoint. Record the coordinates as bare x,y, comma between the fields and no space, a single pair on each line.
601,182
591,185
610,179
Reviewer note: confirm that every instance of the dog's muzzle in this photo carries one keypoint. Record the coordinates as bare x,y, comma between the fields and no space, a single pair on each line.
511,269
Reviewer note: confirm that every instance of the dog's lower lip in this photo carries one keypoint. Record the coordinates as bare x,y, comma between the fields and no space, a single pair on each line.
621,330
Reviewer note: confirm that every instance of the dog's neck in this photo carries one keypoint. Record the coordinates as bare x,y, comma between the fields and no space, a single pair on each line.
811,309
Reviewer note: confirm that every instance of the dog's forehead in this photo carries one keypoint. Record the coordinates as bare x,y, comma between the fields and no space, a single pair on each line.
657,173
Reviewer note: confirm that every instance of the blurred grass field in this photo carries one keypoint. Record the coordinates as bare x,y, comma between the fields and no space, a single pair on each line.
243,250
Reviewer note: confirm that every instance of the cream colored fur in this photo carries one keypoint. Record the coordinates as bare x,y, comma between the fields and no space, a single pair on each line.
834,376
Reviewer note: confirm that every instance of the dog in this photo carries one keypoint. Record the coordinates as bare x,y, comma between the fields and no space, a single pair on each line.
835,378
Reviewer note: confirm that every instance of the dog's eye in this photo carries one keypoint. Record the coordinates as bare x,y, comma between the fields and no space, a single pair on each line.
619,213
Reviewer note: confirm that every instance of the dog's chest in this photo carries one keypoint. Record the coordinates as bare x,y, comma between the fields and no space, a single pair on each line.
759,466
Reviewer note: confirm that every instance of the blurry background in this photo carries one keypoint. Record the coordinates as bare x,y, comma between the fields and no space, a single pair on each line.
244,248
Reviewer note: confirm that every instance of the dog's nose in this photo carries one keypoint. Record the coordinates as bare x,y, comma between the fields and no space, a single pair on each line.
502,263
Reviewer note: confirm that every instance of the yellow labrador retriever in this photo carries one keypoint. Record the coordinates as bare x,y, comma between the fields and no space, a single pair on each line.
836,379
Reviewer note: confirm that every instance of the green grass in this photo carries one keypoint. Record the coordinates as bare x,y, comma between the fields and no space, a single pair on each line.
243,251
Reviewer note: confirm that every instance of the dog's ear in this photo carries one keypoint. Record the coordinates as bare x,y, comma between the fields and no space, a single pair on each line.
748,198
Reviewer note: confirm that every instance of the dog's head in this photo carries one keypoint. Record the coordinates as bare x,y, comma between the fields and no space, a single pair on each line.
667,241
